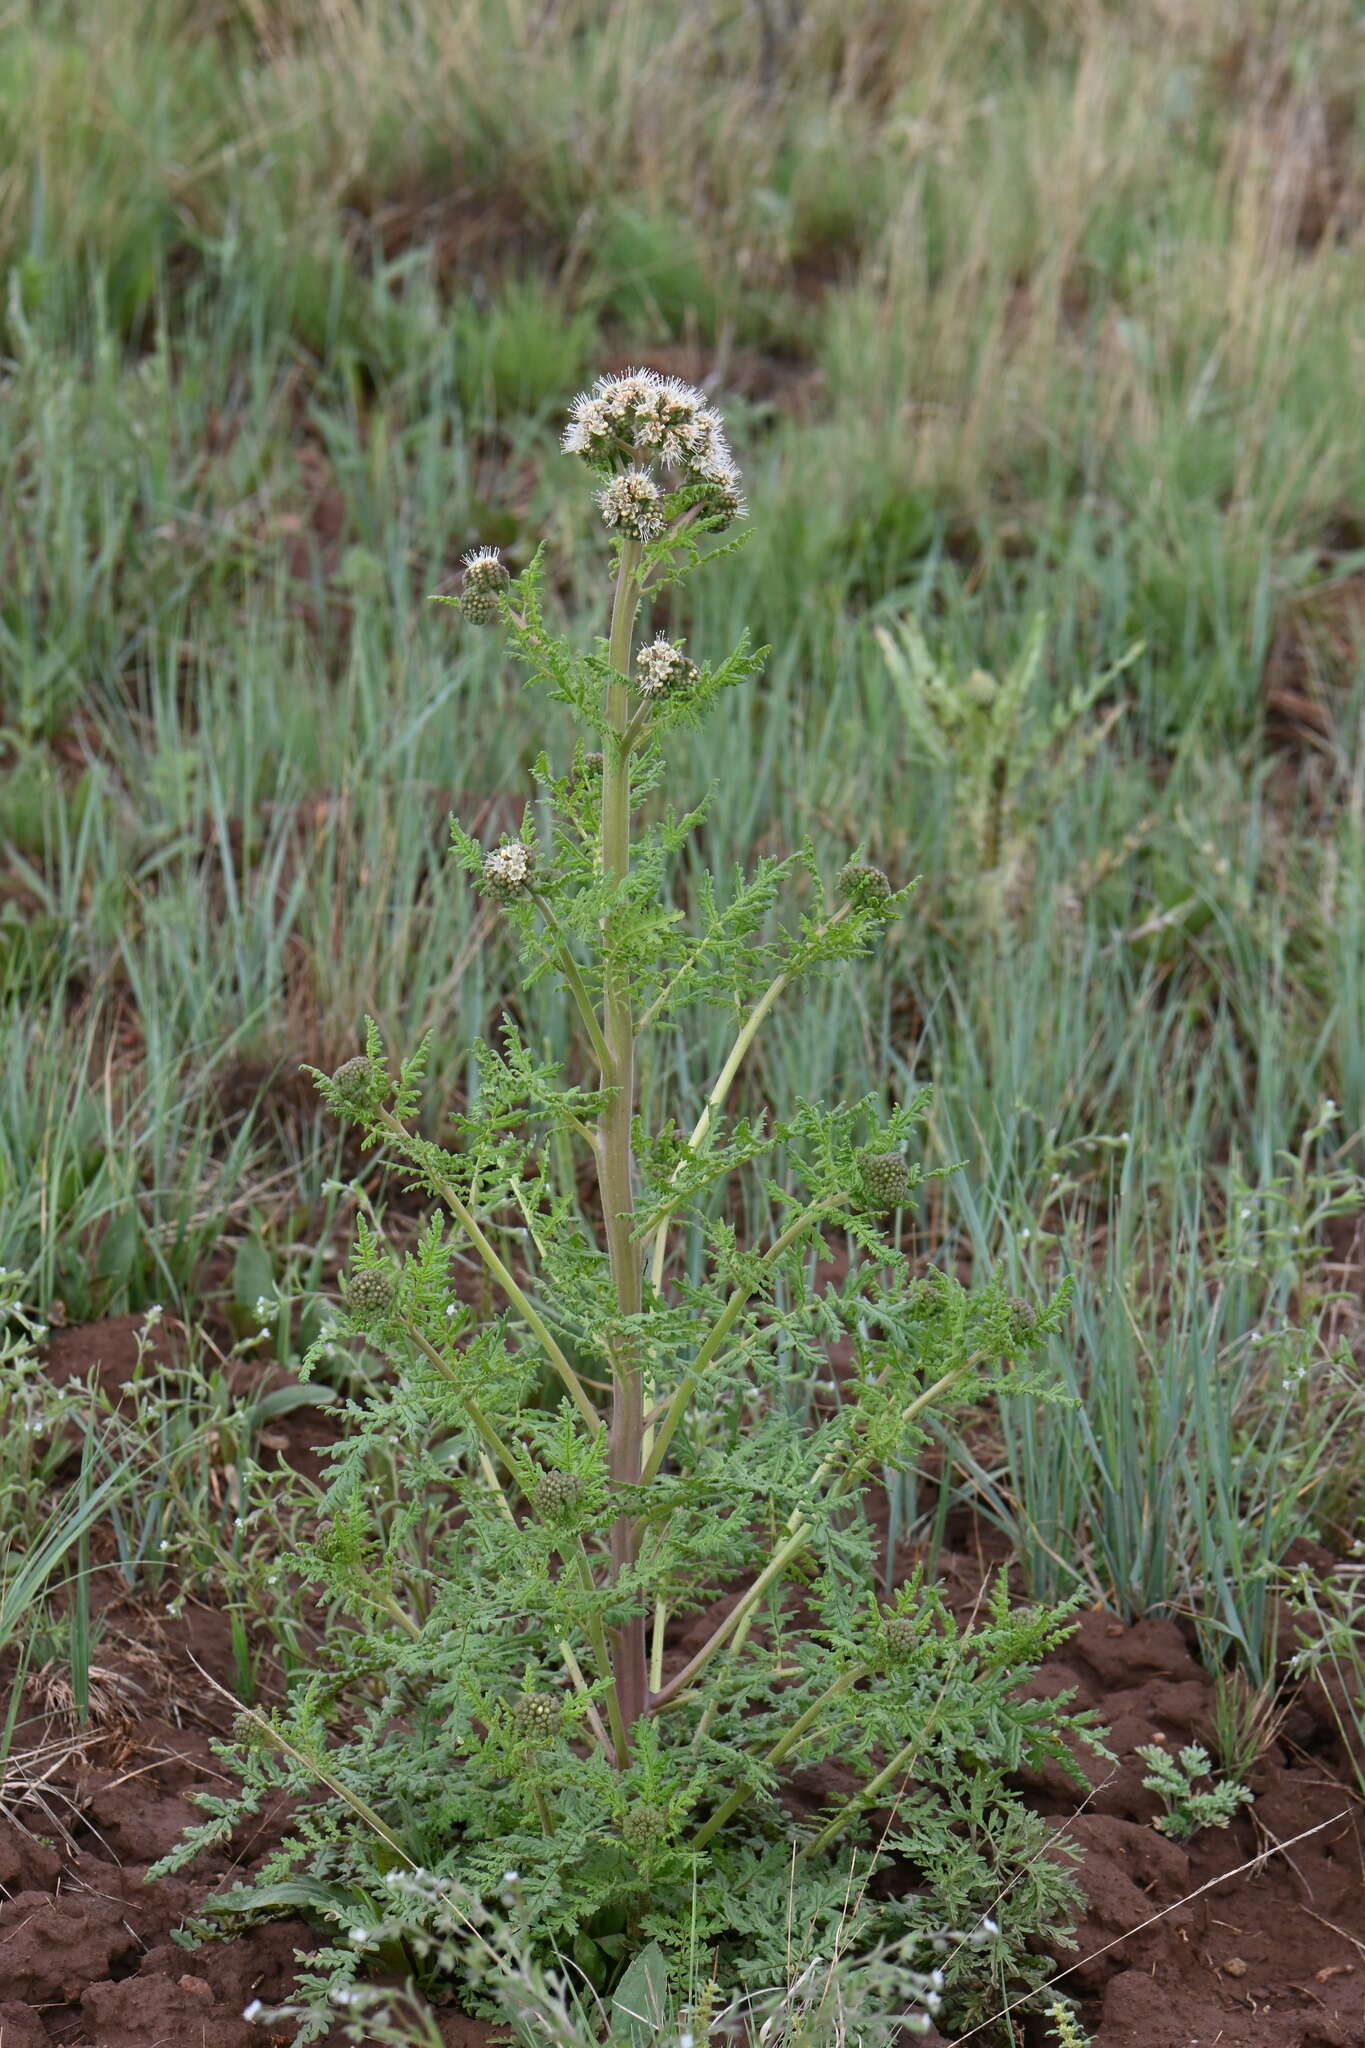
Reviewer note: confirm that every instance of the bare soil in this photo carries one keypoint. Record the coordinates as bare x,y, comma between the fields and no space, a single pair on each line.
1253,1937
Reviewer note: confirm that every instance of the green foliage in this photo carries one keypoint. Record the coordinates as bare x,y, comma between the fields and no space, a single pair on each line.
1190,1806
1331,1633
507,1695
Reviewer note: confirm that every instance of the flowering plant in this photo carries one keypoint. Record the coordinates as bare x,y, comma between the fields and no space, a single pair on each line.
623,1606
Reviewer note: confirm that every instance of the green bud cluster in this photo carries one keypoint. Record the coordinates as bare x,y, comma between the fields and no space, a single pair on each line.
900,1638
356,1082
863,885
370,1295
538,1715
1023,1319
484,577
249,1734
883,1180
644,1828
557,1494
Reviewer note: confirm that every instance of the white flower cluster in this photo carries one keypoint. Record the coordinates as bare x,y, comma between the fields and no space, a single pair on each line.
643,417
662,667
507,870
634,502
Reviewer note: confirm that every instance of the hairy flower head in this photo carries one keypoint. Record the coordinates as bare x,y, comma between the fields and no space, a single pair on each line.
644,1827
661,668
634,502
644,417
484,576
507,870
900,1638
724,498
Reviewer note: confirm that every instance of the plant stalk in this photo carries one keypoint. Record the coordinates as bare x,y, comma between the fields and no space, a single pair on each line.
615,1165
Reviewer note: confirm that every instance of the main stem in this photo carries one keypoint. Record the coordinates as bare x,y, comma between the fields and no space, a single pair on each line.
625,1441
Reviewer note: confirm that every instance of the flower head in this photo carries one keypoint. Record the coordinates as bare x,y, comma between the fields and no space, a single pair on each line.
354,1081
661,668
507,870
538,1715
862,885
644,417
484,575
644,1827
557,1495
369,1295
883,1180
634,502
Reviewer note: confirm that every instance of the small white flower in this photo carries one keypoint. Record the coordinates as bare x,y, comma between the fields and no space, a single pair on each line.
661,667
633,501
253,2011
360,1937
507,870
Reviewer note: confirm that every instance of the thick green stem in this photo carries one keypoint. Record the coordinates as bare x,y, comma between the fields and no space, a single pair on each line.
615,1166
597,1636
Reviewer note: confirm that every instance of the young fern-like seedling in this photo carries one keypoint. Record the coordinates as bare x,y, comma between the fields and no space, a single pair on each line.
640,1605
1191,1806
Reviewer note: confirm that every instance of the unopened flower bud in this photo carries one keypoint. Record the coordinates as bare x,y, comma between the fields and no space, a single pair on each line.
369,1295
884,1180
537,1715
557,1495
863,885
662,668
484,576
633,501
900,1637
1023,1319
644,1828
250,1733
507,870
354,1081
